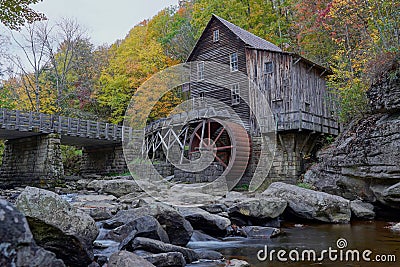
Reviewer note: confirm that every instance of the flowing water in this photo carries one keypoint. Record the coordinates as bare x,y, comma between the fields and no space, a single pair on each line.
375,236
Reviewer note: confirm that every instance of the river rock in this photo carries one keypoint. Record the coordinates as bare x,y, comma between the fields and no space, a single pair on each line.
202,220
260,232
59,227
395,228
145,226
263,208
17,246
127,259
237,263
99,207
155,246
169,259
310,204
362,210
215,208
115,187
198,236
209,255
179,230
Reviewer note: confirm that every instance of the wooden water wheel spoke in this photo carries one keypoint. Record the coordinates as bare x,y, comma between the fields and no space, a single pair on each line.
219,135
223,148
220,161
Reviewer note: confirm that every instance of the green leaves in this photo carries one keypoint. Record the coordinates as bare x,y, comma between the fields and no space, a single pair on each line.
15,13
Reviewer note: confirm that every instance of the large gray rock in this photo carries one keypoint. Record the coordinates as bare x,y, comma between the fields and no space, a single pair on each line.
262,208
145,226
59,227
310,204
202,220
115,187
237,263
260,232
179,230
366,155
362,210
169,259
155,246
17,246
127,259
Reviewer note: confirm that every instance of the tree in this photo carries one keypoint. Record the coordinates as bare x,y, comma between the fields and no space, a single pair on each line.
33,45
15,13
132,61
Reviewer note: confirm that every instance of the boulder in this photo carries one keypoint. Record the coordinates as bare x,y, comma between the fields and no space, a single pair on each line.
202,220
237,263
395,228
169,259
99,207
310,204
215,208
199,236
263,208
127,259
115,187
210,255
362,210
145,226
155,246
260,232
179,230
59,227
17,246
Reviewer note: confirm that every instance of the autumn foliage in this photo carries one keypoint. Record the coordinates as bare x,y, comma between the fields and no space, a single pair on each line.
352,37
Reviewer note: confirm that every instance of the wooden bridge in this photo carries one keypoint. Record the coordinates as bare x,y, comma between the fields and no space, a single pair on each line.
32,154
15,124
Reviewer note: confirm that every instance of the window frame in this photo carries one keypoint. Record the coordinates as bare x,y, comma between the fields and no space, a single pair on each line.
270,68
216,36
235,94
234,61
200,71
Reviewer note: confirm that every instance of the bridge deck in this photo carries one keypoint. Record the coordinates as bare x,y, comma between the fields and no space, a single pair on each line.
16,124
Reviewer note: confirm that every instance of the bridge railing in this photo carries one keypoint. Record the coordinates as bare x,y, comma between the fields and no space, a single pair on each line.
45,123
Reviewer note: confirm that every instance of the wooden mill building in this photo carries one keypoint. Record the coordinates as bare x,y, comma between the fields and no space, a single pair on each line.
294,88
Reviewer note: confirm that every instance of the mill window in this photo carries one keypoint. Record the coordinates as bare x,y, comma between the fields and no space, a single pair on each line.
234,62
268,67
200,71
216,36
235,94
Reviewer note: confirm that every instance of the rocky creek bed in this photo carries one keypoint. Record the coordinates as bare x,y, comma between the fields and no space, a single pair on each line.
103,221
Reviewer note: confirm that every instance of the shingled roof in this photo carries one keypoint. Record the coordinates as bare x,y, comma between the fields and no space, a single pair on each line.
248,38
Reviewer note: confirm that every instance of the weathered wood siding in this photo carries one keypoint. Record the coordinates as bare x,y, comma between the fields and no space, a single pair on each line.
295,90
219,86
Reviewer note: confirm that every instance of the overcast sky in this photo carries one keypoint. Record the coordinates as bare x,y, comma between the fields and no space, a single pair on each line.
105,20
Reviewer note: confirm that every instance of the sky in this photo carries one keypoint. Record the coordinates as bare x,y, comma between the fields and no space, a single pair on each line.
105,20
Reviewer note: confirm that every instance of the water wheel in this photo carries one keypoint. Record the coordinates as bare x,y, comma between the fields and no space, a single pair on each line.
229,143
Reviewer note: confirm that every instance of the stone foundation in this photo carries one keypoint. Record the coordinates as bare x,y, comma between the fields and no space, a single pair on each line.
33,160
103,160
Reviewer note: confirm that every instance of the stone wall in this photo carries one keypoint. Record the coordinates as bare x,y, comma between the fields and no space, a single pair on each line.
32,161
210,174
103,160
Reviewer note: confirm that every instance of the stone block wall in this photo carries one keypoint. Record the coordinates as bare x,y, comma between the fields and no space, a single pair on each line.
32,160
209,174
103,160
